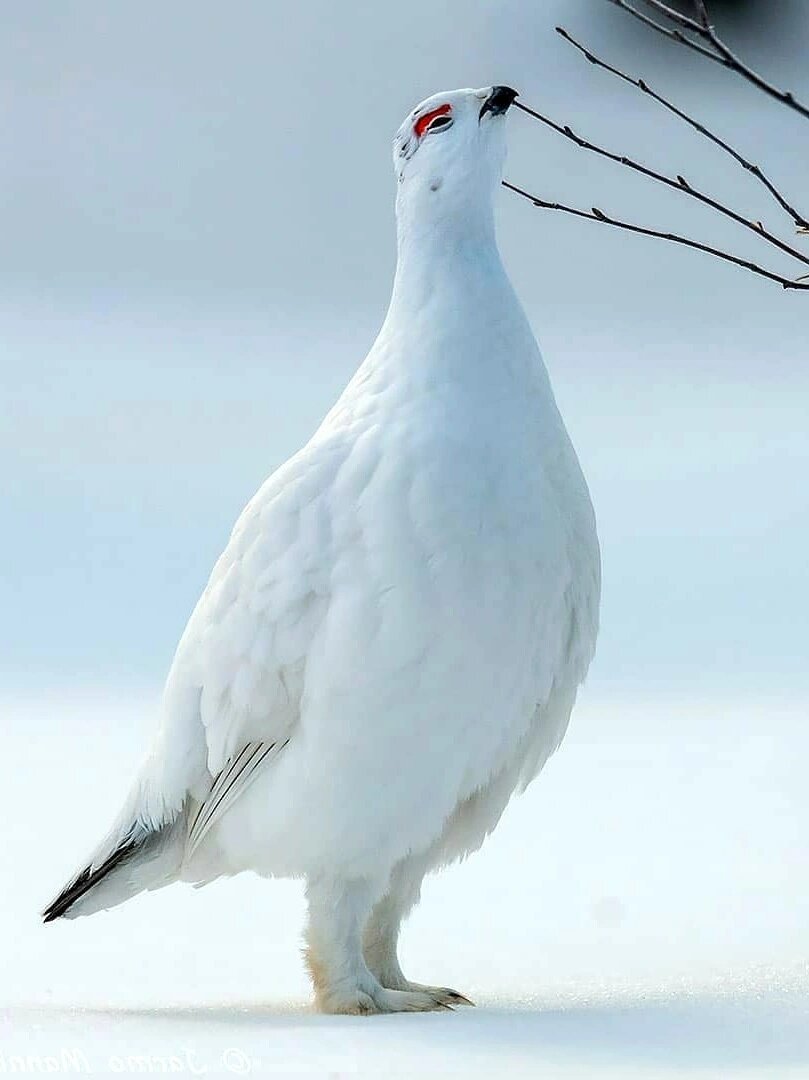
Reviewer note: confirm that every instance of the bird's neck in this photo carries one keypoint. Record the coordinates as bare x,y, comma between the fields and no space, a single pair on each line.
453,314
447,262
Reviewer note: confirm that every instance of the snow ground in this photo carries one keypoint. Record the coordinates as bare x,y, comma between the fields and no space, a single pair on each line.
641,911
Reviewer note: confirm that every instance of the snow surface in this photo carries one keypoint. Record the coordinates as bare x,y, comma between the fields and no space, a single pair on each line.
641,911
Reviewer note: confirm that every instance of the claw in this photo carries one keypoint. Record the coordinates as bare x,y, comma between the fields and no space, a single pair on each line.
459,999
449,999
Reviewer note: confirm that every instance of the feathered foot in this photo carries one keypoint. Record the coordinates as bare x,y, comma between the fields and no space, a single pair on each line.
367,997
343,983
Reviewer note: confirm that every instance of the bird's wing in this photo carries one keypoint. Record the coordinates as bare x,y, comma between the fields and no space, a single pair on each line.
235,778
233,694
245,646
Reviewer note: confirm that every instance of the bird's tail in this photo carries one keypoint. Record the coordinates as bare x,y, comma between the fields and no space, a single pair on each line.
135,856
146,845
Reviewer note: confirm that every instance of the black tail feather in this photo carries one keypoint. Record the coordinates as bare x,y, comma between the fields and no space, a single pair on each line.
89,877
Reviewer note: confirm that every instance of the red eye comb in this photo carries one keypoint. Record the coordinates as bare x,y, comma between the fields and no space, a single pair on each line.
424,122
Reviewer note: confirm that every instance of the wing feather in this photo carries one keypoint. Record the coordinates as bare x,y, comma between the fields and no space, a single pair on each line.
232,781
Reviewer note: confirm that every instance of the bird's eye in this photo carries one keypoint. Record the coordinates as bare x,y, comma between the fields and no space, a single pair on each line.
436,120
440,123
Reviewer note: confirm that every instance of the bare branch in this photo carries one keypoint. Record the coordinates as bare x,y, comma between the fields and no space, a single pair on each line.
598,215
717,50
677,16
674,35
643,86
694,34
679,184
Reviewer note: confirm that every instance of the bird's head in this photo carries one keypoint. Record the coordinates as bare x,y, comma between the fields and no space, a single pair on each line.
448,156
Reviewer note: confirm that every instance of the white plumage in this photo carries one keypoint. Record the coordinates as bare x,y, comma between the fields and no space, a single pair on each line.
391,643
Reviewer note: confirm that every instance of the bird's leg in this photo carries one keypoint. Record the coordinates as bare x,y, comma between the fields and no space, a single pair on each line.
381,936
380,940
338,911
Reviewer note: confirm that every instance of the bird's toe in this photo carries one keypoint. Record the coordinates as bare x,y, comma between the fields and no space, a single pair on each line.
411,1001
453,997
444,996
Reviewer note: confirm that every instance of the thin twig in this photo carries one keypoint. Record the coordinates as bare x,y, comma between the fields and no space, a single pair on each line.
673,35
717,51
599,215
705,28
640,84
676,16
678,184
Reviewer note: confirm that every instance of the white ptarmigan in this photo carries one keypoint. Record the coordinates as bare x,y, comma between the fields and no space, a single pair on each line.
391,643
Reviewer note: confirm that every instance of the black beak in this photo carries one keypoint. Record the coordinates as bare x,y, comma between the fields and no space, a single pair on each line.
497,102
